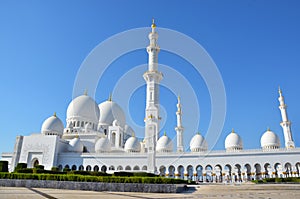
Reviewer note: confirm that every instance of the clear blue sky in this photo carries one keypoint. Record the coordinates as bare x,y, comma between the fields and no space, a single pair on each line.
255,44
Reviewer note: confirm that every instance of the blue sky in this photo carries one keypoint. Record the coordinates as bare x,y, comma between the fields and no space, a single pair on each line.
255,45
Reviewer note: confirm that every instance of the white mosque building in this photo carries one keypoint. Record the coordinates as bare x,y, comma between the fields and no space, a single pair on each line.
97,138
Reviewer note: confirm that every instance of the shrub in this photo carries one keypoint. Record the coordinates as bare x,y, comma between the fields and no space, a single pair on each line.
3,166
25,170
41,167
21,166
66,170
54,169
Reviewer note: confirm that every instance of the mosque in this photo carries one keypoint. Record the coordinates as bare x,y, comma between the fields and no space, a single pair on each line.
97,138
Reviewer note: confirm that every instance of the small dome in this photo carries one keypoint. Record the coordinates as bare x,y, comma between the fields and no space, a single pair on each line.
164,144
75,145
103,145
198,143
110,112
233,142
132,144
52,126
269,140
83,108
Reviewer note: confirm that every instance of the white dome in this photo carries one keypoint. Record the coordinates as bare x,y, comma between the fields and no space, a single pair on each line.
103,145
132,144
110,112
198,143
75,145
269,140
83,108
233,142
52,126
164,144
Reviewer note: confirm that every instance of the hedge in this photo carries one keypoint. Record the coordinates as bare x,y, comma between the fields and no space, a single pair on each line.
3,166
278,180
85,178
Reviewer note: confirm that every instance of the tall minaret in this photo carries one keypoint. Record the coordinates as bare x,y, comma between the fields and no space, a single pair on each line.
285,124
179,128
152,78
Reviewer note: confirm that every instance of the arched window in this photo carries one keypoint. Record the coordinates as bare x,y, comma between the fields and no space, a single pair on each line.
81,168
96,168
74,168
104,168
88,168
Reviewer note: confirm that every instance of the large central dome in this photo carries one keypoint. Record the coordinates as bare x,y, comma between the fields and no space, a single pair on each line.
83,108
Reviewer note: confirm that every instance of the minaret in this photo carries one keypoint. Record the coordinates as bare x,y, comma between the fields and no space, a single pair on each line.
285,124
179,128
152,78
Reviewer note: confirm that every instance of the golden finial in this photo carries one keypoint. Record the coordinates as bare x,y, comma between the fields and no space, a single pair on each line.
54,114
232,131
110,97
165,134
178,98
132,134
198,133
153,24
85,92
268,129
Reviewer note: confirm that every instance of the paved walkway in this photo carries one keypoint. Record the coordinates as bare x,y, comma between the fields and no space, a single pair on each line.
202,191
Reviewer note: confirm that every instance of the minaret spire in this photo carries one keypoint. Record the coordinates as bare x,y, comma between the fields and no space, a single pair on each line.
285,124
152,77
179,129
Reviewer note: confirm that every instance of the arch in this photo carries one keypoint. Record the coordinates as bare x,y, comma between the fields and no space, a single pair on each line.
218,173
73,168
136,168
88,168
127,168
144,168
78,124
288,169
257,171
111,168
237,173
81,168
190,173
247,172
113,138
278,170
82,124
96,168
208,173
227,173
180,170
162,171
119,168
171,171
60,167
104,169
199,171
67,166
297,165
34,162
267,170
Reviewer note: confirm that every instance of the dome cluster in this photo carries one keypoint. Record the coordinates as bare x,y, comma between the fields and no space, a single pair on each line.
269,140
164,144
233,142
198,143
52,126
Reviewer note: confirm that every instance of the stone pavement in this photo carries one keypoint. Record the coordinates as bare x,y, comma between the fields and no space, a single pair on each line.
202,191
